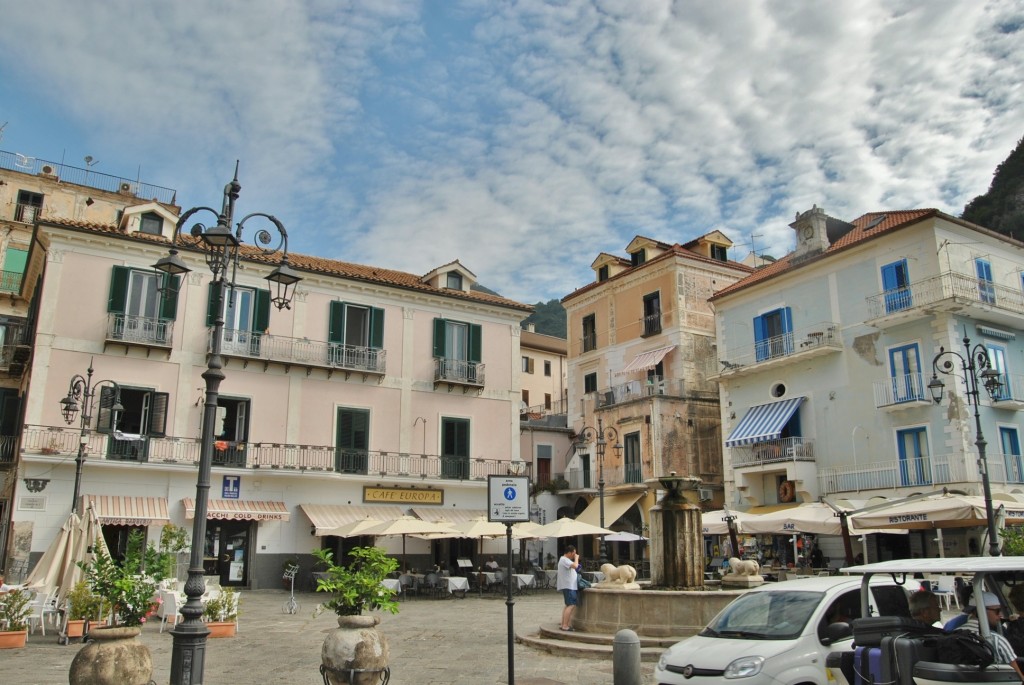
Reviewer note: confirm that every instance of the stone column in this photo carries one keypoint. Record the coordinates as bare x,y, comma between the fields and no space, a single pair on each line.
677,548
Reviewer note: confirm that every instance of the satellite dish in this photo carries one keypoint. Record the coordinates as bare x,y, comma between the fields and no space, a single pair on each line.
89,160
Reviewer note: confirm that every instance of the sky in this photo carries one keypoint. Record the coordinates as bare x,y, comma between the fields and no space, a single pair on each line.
523,138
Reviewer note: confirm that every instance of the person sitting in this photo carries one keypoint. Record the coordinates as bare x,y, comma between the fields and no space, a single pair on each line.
1000,645
924,607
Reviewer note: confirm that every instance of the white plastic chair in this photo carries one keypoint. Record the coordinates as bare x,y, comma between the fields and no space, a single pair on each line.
37,608
945,590
168,609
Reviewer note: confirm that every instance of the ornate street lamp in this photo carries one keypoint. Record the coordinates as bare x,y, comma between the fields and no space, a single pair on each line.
81,392
974,363
222,251
603,435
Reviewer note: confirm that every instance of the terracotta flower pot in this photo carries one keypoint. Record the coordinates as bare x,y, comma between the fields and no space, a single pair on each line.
112,656
13,639
75,628
221,628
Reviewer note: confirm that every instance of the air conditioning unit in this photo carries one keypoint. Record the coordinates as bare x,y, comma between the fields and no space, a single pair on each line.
125,187
47,170
704,494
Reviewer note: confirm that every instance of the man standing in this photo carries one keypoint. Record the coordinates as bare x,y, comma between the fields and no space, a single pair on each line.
568,580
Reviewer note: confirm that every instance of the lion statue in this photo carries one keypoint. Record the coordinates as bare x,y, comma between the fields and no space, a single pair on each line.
744,567
619,575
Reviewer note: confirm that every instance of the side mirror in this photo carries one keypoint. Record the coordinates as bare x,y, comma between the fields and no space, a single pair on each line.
838,631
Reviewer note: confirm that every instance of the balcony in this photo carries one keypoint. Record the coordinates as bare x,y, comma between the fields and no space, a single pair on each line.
458,372
139,330
588,342
916,472
788,348
302,352
1011,394
638,390
7,445
10,281
63,442
26,214
621,474
776,451
948,292
902,392
651,325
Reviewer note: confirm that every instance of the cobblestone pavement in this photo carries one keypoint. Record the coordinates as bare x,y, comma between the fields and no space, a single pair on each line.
433,642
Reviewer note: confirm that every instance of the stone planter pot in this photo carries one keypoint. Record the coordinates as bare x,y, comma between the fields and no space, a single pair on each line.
221,628
13,639
356,648
112,656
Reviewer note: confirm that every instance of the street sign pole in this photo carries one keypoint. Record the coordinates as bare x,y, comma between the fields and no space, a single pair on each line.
508,502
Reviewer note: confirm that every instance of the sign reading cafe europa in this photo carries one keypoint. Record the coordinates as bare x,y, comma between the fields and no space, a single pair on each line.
402,495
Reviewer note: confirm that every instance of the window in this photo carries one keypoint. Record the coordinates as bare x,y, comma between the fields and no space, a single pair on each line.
590,383
639,257
246,318
997,360
905,373
544,453
602,273
455,448
896,284
1010,441
231,431
547,368
773,334
29,206
652,314
986,289
631,471
454,280
589,333
144,416
142,303
458,348
547,400
353,440
151,223
356,336
719,253
526,397
527,365
14,268
915,463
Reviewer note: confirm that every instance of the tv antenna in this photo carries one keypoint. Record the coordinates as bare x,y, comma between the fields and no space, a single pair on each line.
2,127
90,162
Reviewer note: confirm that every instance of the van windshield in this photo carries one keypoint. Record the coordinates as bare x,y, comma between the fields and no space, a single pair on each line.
765,616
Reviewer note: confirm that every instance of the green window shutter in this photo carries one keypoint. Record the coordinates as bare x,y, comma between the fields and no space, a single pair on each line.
15,260
105,419
158,414
439,327
118,298
211,304
336,323
376,328
261,317
475,343
353,429
169,296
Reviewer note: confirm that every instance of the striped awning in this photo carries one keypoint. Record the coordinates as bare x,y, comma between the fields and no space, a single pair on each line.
116,510
614,507
647,360
327,517
763,422
239,510
450,515
994,332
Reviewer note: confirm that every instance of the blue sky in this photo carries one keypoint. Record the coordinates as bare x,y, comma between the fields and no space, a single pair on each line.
523,138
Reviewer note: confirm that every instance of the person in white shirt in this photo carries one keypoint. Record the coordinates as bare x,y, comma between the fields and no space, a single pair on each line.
568,582
1000,645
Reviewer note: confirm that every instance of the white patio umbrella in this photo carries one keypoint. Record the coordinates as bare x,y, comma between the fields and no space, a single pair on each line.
354,528
58,568
811,517
714,523
623,537
945,510
566,527
406,525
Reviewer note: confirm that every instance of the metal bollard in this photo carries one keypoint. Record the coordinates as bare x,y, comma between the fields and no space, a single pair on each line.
626,658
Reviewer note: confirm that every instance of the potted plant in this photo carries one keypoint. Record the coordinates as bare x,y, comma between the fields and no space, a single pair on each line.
83,606
356,644
14,613
221,613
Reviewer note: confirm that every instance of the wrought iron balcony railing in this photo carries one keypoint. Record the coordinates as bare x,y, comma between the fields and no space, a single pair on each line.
639,389
908,388
947,286
652,324
803,342
139,329
913,472
10,281
458,371
773,452
279,348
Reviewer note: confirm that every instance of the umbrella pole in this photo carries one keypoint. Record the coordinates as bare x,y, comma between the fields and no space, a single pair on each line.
847,545
405,561
480,569
942,547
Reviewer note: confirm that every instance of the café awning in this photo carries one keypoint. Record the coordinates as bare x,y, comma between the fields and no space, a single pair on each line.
240,510
327,517
646,360
118,510
764,422
614,507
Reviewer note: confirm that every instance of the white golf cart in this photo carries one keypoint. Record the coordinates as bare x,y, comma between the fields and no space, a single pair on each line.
900,651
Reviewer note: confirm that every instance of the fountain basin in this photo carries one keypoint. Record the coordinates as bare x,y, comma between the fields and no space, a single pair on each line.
654,613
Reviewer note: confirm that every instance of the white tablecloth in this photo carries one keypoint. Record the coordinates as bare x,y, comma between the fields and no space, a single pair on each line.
552,576
392,584
525,580
456,584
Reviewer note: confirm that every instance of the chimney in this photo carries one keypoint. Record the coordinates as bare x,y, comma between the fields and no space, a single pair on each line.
532,328
811,234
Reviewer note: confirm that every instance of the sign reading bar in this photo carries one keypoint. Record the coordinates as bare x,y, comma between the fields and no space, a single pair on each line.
508,499
403,495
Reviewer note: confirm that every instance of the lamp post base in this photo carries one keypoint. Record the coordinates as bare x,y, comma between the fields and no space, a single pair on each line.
188,655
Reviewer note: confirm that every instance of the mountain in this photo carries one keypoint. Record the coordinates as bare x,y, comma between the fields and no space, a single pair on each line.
1002,207
549,318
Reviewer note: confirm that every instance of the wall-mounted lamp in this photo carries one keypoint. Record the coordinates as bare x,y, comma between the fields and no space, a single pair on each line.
90,202
312,530
36,484
732,415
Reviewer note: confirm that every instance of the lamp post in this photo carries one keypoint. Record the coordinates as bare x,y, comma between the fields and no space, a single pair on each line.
221,250
603,435
83,390
974,363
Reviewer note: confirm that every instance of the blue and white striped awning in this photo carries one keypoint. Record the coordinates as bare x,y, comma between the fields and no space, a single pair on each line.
763,422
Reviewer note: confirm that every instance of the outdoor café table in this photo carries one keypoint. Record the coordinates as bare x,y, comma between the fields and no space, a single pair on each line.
524,581
392,584
552,576
457,584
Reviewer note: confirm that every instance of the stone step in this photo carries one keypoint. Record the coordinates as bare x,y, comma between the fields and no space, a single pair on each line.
553,640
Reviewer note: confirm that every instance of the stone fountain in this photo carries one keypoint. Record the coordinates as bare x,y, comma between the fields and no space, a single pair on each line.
677,542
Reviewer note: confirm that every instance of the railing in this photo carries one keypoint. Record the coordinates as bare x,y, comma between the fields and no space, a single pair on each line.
581,479
554,408
652,324
913,472
900,390
587,479
139,329
588,342
458,371
254,455
1012,388
10,281
1005,468
810,338
946,286
773,452
86,177
636,390
25,214
7,444
279,348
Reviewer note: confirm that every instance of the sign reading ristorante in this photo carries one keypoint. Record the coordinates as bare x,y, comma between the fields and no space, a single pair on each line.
402,495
